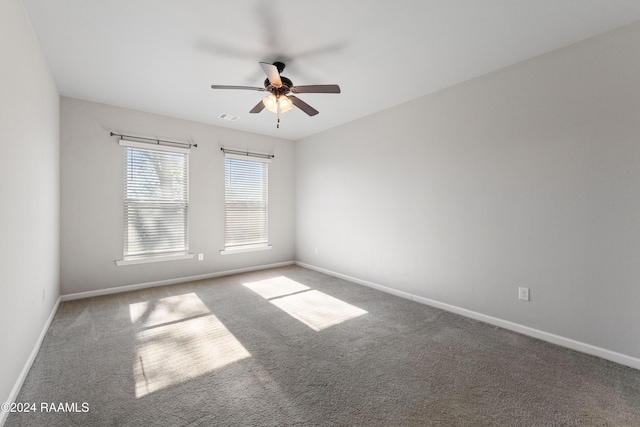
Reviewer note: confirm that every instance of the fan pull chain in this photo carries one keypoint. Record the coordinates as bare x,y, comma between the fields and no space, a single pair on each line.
278,125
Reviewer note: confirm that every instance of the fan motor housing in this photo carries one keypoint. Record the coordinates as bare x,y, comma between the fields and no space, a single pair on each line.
285,88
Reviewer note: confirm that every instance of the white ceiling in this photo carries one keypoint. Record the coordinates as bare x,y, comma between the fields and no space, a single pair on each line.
161,56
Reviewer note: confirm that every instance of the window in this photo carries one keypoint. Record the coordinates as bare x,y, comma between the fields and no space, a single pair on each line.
156,201
246,184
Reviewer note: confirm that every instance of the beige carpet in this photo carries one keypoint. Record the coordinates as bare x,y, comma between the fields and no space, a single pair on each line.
291,346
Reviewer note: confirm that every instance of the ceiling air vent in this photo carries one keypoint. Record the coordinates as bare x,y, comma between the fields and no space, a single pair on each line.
229,117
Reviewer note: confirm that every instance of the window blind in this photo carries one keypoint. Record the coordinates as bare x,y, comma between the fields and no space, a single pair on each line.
156,201
246,186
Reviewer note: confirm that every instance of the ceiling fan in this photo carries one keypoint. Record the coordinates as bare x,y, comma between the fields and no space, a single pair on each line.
281,89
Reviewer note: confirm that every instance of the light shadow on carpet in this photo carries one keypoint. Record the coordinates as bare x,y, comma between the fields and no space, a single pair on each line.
315,309
180,340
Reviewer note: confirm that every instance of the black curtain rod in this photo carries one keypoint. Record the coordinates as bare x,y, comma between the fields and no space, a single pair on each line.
247,153
152,140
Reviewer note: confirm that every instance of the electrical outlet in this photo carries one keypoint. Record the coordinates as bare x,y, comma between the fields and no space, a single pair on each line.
315,250
200,257
523,293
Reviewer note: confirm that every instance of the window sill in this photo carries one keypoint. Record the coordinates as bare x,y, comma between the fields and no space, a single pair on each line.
238,250
148,259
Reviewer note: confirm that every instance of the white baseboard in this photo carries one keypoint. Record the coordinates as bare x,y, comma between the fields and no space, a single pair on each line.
391,291
128,288
27,366
603,353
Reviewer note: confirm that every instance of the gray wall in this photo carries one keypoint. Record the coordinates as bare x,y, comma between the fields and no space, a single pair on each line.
529,176
29,193
92,188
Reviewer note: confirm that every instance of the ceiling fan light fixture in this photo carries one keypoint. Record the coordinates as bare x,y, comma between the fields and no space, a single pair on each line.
284,103
271,103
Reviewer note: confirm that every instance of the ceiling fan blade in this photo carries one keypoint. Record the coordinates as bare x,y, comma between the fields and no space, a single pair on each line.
237,87
259,107
316,89
303,105
272,73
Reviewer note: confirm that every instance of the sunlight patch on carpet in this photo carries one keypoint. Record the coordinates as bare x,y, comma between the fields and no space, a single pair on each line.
276,287
165,310
172,349
315,309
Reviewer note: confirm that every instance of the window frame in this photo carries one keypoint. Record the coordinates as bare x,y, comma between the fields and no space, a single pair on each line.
157,254
247,246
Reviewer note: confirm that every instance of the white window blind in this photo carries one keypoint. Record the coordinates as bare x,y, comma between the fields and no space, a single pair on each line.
156,200
246,185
